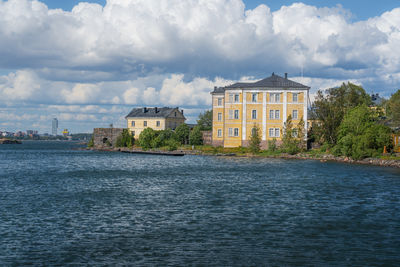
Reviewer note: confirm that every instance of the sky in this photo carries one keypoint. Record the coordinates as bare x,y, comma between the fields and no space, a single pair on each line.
89,63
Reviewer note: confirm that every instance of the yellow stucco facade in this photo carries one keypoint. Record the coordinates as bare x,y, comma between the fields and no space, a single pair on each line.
163,119
237,109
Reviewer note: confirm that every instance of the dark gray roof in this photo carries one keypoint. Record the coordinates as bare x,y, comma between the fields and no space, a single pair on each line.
150,112
218,90
274,81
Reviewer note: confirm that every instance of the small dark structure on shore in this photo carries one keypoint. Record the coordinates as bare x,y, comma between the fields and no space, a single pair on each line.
5,141
106,137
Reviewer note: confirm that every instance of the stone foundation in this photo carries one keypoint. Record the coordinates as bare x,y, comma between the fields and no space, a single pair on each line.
102,137
217,143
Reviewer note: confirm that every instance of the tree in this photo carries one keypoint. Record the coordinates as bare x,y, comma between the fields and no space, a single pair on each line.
125,139
205,120
329,109
255,140
289,140
393,108
301,134
182,132
196,136
360,136
146,138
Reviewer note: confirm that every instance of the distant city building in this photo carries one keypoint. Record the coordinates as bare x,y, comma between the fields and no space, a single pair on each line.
54,126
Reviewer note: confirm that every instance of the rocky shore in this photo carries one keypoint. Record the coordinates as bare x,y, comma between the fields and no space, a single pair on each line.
5,141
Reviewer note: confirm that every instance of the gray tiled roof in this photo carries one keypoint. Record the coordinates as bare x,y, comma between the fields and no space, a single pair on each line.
150,112
274,81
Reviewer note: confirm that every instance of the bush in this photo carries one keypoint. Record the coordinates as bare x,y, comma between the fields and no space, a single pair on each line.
146,138
182,133
125,139
172,144
91,142
272,145
196,137
255,140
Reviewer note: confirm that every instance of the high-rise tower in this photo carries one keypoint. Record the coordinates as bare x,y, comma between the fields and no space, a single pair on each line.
54,126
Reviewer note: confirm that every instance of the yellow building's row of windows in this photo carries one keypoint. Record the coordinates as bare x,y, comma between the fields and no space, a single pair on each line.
273,114
273,98
272,132
133,123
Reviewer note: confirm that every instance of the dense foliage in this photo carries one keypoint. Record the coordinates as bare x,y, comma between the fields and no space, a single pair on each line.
182,132
330,107
293,137
205,120
150,138
125,139
359,136
393,108
196,136
255,140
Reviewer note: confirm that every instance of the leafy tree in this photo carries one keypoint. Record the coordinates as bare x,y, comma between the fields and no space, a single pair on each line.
393,107
255,140
91,142
182,132
125,139
196,136
300,134
205,120
289,139
146,138
360,136
272,145
329,109
172,144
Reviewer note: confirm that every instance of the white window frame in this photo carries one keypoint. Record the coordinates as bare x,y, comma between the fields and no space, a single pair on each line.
230,114
277,98
272,114
254,97
158,124
219,101
219,116
271,132
254,114
230,98
295,133
295,97
219,132
293,114
144,123
132,123
237,98
277,132
235,132
230,131
236,114
277,114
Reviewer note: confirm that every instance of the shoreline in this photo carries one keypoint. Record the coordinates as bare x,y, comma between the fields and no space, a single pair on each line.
321,158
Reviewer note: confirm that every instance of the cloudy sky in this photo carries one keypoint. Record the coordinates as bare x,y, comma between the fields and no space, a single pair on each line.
90,63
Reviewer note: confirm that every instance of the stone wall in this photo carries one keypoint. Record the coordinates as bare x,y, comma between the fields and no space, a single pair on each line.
102,137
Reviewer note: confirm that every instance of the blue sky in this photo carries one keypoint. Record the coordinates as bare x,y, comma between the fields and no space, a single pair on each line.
90,65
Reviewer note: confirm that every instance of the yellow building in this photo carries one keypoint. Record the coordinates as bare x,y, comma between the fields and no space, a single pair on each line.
266,103
156,118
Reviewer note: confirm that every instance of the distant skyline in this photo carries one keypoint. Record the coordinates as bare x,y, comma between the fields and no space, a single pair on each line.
89,64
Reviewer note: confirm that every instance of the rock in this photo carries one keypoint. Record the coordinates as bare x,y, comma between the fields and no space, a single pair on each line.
9,141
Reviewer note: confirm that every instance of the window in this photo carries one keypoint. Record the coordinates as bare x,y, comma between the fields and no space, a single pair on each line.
236,114
145,123
295,97
253,131
236,132
254,114
219,101
277,114
231,114
277,132
254,97
230,132
219,132
277,98
219,116
236,98
271,97
158,123
133,123
294,132
133,133
294,114
230,98
271,114
271,132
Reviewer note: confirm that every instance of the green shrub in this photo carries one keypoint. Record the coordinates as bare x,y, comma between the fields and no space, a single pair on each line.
91,142
272,145
125,139
196,137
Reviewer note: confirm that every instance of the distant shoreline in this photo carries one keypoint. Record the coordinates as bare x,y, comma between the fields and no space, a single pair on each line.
321,158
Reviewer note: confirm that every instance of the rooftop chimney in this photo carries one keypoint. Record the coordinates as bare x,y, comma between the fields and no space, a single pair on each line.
155,109
144,110
182,111
273,73
285,75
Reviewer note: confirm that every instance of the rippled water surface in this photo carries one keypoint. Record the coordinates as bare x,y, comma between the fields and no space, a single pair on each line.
62,206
